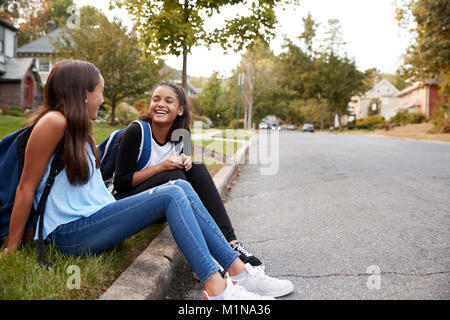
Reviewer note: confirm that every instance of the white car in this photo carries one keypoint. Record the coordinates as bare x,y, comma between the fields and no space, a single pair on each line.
263,125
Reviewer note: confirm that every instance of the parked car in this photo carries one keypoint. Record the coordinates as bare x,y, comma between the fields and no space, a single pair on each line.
263,125
308,127
290,127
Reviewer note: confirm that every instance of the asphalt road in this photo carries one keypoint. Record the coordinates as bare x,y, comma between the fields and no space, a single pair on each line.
346,217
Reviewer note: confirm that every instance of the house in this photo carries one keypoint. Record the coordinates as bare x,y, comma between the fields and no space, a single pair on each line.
174,76
421,97
381,99
42,50
20,83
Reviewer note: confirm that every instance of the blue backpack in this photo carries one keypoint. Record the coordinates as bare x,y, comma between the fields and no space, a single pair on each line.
12,154
109,147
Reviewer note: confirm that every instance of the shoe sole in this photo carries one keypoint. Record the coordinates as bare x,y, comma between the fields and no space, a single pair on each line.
277,294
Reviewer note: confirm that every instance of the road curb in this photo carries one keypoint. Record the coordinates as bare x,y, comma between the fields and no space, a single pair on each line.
150,274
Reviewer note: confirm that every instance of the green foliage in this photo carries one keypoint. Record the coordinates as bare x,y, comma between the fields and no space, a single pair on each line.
403,117
126,113
114,51
210,96
441,119
232,124
12,111
175,27
428,56
370,123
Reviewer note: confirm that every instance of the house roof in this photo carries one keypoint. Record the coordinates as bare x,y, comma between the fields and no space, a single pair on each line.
8,25
418,85
16,68
379,84
41,45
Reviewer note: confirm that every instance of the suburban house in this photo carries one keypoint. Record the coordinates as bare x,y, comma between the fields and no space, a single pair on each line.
20,83
381,99
175,77
421,97
42,50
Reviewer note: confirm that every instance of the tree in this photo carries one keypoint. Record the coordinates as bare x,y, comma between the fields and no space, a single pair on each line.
209,99
339,80
35,14
257,66
428,56
114,51
175,27
10,9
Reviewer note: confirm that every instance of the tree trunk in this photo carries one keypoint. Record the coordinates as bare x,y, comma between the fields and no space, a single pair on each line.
112,122
185,51
184,72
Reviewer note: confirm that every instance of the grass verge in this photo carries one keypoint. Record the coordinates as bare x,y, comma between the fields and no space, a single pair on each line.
23,278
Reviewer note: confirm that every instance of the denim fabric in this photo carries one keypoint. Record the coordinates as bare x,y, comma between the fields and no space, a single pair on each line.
192,227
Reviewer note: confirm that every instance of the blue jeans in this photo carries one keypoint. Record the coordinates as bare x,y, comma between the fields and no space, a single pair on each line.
193,229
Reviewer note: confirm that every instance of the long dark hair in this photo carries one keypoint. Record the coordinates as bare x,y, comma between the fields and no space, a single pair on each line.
181,122
65,91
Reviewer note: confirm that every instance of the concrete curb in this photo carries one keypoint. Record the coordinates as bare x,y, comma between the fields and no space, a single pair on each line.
150,275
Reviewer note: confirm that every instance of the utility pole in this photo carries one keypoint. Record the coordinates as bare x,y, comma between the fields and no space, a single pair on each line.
240,83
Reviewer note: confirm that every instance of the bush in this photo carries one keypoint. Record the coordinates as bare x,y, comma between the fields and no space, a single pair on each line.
441,120
371,123
142,105
126,113
232,124
402,118
12,111
446,125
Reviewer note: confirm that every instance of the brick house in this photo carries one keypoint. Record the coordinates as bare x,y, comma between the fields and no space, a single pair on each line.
20,83
421,97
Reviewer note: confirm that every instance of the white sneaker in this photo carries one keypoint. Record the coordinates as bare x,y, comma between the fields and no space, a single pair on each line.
258,282
235,292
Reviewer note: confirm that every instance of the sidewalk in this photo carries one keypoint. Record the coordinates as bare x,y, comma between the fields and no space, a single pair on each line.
150,275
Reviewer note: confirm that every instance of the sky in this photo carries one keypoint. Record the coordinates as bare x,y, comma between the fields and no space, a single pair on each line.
373,38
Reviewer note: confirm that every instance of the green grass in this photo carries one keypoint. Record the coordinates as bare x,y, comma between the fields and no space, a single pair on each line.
224,147
103,130
22,277
239,134
9,124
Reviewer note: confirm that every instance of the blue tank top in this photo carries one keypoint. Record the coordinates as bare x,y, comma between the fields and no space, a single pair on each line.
67,203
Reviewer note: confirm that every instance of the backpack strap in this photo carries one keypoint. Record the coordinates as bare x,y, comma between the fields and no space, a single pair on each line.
145,148
55,168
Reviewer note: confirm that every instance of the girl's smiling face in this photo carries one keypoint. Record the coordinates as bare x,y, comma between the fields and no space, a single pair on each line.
165,106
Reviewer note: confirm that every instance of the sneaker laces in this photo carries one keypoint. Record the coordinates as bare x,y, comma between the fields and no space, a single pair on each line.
240,247
259,274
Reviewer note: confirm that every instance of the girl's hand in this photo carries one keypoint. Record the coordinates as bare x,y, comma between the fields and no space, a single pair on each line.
174,162
187,161
3,252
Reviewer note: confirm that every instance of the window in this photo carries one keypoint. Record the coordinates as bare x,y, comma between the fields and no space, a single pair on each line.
2,39
44,65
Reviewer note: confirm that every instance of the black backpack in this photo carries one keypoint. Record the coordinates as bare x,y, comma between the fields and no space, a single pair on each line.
12,155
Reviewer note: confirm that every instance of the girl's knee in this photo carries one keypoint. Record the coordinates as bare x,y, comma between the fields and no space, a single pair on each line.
185,185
